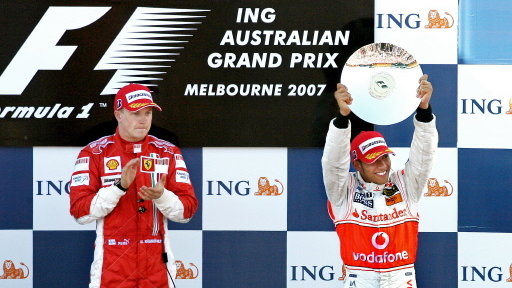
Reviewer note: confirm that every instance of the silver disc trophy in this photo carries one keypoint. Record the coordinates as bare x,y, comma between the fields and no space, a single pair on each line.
382,79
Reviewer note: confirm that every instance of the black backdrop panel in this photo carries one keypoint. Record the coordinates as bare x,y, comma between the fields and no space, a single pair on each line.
289,53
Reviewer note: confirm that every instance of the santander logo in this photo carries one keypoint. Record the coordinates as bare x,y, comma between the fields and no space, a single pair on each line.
380,240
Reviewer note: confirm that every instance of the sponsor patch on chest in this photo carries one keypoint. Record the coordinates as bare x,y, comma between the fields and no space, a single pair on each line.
363,197
112,164
154,165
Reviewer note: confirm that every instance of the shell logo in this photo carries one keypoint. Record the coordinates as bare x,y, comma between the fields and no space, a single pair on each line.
380,240
112,164
11,272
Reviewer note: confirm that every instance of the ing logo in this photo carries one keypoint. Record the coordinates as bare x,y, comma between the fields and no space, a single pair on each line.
245,187
265,189
486,274
436,190
485,106
414,20
435,20
185,273
11,272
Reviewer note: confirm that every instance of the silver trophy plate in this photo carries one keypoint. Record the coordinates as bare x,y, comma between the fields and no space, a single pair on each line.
382,79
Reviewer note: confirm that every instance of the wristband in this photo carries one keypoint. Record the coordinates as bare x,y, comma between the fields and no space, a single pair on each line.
118,185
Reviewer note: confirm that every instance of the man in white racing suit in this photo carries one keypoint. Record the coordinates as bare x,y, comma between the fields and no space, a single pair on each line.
375,210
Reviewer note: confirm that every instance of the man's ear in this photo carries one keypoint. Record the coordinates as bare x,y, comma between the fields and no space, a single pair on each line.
357,165
117,114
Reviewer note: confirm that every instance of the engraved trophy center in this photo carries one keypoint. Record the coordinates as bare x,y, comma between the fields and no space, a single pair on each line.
381,85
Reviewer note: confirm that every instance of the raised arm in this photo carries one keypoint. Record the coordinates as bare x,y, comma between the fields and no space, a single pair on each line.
336,158
424,142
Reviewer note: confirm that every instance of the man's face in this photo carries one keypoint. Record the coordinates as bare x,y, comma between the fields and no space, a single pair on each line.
134,126
376,172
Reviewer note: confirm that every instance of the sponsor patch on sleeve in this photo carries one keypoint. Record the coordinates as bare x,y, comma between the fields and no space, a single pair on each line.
80,179
109,180
82,164
182,177
180,162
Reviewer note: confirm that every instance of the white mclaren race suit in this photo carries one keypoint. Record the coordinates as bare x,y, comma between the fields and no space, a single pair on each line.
378,233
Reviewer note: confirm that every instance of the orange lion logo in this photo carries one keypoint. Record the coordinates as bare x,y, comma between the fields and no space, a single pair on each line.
434,189
510,271
185,273
435,21
10,271
264,187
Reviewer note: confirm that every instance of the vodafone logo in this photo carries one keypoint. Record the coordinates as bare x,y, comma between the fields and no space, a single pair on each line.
380,240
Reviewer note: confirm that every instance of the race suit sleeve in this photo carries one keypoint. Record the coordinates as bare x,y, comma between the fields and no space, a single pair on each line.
421,156
336,160
178,202
88,201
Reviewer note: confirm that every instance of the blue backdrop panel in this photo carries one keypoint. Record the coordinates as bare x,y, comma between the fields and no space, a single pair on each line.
485,36
16,188
436,264
484,198
307,202
194,161
244,259
63,258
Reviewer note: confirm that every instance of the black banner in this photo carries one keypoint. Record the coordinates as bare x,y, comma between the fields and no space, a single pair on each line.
226,73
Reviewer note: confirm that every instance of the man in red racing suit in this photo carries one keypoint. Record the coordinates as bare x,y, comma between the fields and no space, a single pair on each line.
130,183
375,210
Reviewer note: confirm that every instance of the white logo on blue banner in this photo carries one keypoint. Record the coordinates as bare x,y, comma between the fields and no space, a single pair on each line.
484,106
245,189
426,28
51,188
484,260
187,247
17,251
440,191
313,260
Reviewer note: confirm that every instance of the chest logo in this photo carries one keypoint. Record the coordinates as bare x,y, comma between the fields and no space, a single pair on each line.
363,197
148,164
380,240
112,164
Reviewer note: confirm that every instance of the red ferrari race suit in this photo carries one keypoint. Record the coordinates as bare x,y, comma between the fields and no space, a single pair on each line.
131,234
377,224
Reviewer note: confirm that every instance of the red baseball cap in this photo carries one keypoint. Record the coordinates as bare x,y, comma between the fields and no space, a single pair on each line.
134,97
368,146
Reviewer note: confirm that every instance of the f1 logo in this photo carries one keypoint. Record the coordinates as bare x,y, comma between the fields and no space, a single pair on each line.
40,50
130,54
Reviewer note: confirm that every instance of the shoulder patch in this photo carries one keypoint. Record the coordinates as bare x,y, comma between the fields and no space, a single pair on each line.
162,144
97,146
